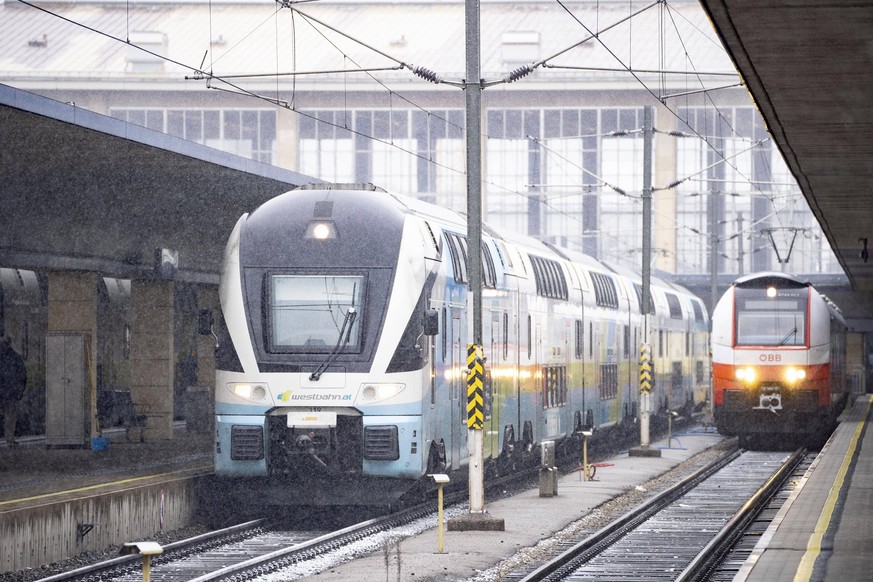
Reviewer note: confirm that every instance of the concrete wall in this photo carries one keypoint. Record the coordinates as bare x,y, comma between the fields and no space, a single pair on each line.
38,535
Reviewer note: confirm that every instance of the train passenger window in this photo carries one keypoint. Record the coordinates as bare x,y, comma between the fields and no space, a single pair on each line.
505,335
445,332
639,291
675,307
627,348
608,381
549,278
590,340
605,293
458,252
489,275
554,391
698,310
433,363
661,343
529,337
580,337
433,238
500,253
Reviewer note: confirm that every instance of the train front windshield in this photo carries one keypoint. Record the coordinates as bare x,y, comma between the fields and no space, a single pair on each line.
771,317
313,313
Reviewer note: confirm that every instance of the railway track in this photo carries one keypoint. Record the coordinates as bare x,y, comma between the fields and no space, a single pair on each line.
729,564
681,533
125,567
257,548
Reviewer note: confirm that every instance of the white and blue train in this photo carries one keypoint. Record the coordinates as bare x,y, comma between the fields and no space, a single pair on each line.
342,352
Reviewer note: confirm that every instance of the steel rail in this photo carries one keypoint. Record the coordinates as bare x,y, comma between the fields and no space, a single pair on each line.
601,539
169,550
733,529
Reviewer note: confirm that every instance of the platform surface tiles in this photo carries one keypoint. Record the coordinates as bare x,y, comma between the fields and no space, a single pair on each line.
825,529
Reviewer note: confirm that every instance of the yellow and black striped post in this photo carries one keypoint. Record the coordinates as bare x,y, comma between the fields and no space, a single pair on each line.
645,368
475,394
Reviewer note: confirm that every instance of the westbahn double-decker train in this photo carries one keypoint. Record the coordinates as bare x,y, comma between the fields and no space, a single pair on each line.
342,348
778,360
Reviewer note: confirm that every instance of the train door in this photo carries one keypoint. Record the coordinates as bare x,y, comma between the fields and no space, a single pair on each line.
598,361
677,391
458,367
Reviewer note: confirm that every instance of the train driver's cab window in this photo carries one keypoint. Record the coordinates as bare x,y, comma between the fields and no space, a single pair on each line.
776,320
771,329
315,313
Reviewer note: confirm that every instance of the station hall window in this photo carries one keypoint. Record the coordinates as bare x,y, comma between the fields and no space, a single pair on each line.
250,133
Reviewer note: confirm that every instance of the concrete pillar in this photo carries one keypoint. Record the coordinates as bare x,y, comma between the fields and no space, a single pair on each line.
72,307
207,298
152,355
200,401
855,363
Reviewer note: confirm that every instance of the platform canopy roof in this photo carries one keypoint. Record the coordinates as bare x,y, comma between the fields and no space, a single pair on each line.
808,67
88,192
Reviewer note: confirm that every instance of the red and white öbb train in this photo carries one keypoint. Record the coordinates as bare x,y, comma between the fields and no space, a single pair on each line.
778,360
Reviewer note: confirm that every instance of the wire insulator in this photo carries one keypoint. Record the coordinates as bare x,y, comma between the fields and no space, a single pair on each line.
522,71
427,75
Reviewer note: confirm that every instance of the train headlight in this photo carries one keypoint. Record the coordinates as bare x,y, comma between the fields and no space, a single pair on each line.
745,375
376,391
249,391
321,230
795,375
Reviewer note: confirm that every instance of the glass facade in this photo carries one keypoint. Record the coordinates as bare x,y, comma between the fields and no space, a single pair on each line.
250,133
569,176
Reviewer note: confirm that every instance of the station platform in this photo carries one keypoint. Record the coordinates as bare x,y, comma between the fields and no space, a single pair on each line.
31,471
56,503
530,524
825,529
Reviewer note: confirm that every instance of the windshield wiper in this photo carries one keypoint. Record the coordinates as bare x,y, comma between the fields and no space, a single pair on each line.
341,342
788,336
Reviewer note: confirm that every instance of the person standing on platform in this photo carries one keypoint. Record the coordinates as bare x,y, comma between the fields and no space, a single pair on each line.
13,380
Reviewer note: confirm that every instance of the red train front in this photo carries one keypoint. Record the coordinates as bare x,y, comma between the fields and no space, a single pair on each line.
778,359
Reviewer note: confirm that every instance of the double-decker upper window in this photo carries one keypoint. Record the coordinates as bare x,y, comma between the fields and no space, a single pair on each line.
458,252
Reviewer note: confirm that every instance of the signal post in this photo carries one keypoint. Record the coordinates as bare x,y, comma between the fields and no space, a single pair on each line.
646,372
477,519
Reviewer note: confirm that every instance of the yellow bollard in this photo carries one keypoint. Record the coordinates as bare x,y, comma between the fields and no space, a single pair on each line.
440,481
670,416
585,467
146,550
